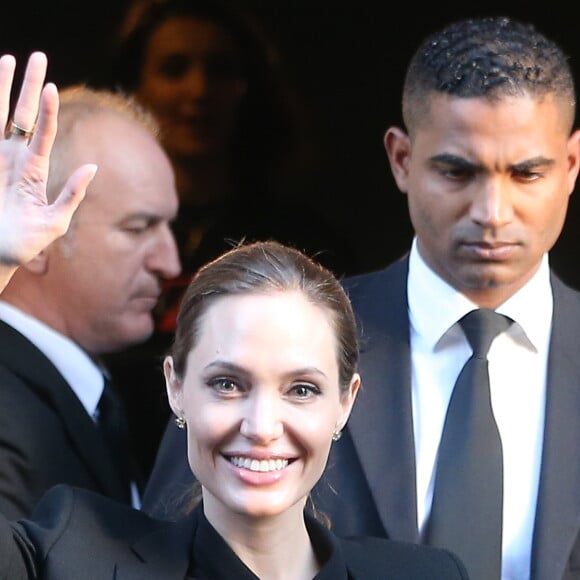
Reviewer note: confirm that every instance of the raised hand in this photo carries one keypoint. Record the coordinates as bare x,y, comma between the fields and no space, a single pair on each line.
28,220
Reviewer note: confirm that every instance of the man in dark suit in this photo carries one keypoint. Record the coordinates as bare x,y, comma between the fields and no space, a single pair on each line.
488,161
90,292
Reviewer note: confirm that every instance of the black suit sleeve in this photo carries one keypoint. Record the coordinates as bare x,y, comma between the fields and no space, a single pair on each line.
17,554
20,449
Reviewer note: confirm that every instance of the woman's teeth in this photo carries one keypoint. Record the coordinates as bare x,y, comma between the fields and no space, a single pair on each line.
263,465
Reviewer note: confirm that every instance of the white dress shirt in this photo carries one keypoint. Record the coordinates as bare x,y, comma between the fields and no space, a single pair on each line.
517,368
83,375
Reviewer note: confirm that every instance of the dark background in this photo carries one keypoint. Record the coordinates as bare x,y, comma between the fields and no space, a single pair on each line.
347,62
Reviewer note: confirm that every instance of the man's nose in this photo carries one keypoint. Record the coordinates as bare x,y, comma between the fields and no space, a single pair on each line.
164,258
492,205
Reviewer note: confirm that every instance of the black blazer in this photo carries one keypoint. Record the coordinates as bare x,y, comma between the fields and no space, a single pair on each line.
46,435
78,534
369,485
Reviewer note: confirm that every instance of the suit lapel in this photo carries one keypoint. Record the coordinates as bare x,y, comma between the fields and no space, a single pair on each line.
381,425
26,361
558,510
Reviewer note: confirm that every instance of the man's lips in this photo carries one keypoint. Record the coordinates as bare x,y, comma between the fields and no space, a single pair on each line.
148,299
496,251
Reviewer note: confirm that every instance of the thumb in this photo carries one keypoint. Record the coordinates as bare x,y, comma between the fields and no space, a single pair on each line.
73,192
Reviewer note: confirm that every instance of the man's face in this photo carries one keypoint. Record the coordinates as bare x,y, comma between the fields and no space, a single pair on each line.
103,277
488,185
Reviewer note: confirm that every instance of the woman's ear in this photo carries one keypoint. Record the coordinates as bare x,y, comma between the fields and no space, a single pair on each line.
348,399
173,386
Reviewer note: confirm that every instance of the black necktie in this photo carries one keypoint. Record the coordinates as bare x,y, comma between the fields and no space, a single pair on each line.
466,515
114,427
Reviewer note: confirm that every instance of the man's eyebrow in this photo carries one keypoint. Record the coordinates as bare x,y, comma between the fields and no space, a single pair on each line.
462,163
455,160
533,163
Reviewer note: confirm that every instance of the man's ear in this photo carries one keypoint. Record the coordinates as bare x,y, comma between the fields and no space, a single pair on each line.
573,160
398,147
39,264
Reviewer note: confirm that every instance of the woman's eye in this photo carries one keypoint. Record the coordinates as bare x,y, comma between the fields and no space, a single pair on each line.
224,385
174,66
304,391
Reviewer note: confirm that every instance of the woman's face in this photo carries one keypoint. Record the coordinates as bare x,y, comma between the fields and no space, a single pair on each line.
193,82
261,400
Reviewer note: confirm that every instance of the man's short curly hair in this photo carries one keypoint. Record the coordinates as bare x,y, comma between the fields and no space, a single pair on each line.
490,57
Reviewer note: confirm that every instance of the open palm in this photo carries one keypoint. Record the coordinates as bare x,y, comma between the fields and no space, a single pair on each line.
28,220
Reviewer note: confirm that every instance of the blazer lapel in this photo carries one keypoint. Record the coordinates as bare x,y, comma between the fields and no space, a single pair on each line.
558,510
164,553
26,361
381,424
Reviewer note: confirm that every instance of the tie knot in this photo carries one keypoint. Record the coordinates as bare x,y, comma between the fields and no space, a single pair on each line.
481,326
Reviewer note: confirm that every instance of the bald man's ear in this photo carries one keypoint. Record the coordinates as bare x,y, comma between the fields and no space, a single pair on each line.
39,264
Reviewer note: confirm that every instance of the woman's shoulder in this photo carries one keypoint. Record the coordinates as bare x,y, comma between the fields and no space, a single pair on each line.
402,560
75,532
68,509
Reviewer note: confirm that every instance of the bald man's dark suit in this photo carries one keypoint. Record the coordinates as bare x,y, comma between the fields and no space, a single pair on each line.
46,435
369,486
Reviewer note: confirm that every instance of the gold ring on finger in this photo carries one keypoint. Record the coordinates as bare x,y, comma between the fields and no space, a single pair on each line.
16,130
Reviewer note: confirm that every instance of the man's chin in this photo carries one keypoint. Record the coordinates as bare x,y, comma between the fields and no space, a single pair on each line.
136,334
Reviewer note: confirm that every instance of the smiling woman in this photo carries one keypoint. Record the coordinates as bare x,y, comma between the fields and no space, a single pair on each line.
262,373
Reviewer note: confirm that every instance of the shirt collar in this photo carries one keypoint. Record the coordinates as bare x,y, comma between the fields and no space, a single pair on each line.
83,375
434,305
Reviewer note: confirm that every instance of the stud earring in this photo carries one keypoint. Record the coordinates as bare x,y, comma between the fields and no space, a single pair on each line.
180,422
337,435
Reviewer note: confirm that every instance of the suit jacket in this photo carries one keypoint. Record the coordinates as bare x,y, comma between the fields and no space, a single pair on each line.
373,466
46,435
369,484
78,534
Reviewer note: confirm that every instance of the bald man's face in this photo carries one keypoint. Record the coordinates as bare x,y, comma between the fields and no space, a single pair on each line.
104,277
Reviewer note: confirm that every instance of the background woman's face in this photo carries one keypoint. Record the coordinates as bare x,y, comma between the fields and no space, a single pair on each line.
261,399
193,82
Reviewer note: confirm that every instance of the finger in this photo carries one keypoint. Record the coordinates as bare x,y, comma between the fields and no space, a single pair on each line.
26,108
71,196
46,124
7,68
